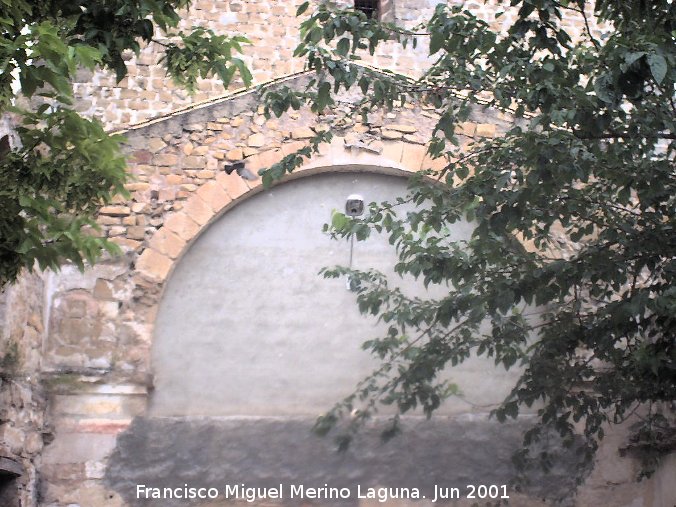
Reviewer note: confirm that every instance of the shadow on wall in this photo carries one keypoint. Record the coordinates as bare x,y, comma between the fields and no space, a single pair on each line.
266,452
10,474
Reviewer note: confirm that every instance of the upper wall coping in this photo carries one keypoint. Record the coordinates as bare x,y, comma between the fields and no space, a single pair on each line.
296,79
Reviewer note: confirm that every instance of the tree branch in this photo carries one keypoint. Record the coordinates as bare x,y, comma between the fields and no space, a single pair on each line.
621,135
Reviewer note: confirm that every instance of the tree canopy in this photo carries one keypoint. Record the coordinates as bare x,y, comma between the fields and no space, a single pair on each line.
62,166
588,163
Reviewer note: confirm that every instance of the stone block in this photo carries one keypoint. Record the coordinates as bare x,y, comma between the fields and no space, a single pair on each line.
212,164
393,150
12,438
391,134
33,442
205,174
406,129
137,186
264,160
166,194
137,232
182,225
235,155
292,147
168,243
412,156
214,195
436,164
156,144
466,128
174,179
139,207
302,133
485,130
126,244
193,162
233,184
141,156
117,230
115,211
415,139
108,220
103,290
256,140
165,159
198,210
153,264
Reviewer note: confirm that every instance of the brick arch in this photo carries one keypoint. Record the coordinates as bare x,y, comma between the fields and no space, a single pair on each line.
225,191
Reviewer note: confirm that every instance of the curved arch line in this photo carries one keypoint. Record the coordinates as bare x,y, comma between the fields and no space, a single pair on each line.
216,197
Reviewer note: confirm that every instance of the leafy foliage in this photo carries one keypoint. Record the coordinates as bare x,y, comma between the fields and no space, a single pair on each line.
588,164
193,58
63,166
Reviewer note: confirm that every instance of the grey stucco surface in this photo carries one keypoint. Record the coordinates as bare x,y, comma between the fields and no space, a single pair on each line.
247,326
266,452
252,344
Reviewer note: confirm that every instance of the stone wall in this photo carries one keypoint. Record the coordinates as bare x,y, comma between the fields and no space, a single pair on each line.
77,348
101,323
273,30
99,370
23,427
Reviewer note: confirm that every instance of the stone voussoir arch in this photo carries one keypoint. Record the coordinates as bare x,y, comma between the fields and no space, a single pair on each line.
215,197
185,168
181,157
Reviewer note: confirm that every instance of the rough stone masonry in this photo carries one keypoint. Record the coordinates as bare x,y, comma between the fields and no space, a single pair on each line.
92,400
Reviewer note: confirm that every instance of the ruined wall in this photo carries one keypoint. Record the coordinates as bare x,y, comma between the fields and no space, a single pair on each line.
98,352
86,339
273,30
23,427
100,369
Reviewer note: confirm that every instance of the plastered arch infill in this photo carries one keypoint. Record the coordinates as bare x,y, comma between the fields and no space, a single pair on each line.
217,196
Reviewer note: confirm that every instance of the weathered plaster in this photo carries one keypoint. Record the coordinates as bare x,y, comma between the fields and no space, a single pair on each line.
264,452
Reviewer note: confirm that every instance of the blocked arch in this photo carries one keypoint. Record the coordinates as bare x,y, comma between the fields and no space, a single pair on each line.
248,321
216,197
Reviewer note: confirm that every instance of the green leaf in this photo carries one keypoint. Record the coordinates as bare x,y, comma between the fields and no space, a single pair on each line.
364,84
343,47
604,88
339,220
88,56
437,41
658,67
302,8
323,96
